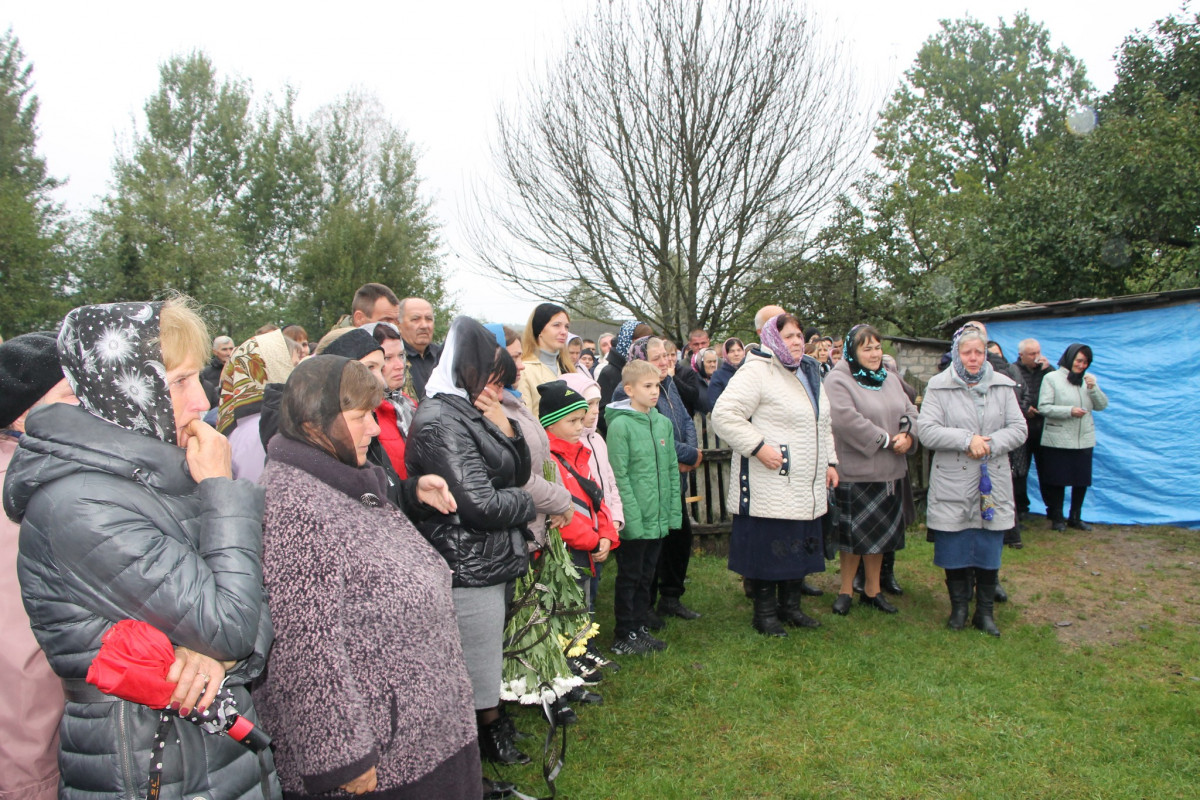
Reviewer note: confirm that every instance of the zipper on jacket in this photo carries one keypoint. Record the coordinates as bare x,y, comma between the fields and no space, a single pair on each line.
126,750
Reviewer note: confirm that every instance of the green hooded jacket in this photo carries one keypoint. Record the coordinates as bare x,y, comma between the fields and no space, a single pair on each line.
641,451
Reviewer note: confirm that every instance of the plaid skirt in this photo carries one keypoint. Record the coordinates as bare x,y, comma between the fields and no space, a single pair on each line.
869,517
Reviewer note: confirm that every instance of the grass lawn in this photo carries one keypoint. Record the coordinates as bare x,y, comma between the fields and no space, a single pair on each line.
879,706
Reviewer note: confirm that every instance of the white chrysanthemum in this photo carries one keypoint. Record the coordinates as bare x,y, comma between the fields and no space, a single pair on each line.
135,388
115,344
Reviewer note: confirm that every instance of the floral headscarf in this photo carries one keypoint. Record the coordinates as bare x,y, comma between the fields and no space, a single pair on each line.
259,360
866,378
637,349
111,357
771,339
624,338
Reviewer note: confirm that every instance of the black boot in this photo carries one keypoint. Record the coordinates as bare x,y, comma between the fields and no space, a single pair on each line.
789,606
496,744
959,586
766,609
859,584
887,575
1000,595
809,590
985,581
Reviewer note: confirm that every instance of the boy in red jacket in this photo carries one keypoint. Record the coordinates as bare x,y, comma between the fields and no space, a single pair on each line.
590,534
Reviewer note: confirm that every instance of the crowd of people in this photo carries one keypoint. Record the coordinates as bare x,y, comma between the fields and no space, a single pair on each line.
363,547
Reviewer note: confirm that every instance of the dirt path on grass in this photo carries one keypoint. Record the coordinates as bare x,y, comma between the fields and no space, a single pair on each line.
1107,585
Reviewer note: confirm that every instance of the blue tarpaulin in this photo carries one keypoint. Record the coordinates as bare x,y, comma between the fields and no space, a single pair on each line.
1147,460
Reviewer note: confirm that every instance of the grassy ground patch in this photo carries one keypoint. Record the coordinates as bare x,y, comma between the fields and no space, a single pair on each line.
878,706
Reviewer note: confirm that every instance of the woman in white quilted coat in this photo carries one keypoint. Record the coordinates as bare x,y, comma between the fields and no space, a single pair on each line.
775,416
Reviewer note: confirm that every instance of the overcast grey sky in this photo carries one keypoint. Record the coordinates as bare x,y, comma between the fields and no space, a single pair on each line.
440,68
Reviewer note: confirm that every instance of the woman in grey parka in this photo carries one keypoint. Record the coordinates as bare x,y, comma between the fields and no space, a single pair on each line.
970,419
128,510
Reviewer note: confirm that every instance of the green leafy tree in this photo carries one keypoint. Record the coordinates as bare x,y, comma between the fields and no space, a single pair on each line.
33,274
374,226
976,101
1112,209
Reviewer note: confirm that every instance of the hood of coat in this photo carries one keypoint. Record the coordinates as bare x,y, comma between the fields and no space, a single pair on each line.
624,408
62,440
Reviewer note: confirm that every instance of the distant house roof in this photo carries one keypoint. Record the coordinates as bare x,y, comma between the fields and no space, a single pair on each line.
1076,308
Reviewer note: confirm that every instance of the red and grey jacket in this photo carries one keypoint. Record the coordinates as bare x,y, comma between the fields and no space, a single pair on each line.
592,520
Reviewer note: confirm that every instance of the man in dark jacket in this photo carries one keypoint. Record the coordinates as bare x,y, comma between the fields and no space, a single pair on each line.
416,328
1034,367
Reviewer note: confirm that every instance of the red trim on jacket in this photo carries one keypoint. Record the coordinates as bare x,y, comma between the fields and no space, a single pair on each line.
390,436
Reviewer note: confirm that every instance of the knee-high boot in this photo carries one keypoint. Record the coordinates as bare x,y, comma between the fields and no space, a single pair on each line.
985,582
958,584
766,609
789,606
887,575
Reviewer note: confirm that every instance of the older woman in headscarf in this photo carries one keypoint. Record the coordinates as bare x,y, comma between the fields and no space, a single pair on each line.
258,361
364,617
971,420
545,351
396,409
129,511
1068,398
461,433
873,423
775,416
618,356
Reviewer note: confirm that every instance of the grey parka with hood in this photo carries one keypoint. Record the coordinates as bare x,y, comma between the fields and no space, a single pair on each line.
113,527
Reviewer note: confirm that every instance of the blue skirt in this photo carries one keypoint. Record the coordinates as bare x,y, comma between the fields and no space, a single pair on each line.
775,549
974,547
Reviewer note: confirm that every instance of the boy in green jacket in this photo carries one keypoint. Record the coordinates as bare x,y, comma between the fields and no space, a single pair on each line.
641,451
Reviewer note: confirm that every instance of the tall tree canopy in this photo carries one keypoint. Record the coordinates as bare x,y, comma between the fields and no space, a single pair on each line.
262,216
32,269
670,156
975,103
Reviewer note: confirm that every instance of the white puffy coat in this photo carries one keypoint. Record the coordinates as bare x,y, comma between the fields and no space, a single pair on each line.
766,404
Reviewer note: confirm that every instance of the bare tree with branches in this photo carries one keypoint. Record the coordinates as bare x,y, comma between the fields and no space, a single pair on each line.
670,156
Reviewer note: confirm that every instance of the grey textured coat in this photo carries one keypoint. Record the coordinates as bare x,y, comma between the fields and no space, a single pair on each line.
367,669
113,527
950,416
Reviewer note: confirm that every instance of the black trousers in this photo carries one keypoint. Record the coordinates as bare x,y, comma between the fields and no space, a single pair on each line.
1054,497
636,561
673,561
1021,484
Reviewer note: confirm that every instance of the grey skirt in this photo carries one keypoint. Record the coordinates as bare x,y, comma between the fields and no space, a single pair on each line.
870,517
480,614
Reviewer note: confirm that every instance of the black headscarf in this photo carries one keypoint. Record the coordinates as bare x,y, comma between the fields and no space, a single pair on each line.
353,345
467,362
1068,359
311,408
111,357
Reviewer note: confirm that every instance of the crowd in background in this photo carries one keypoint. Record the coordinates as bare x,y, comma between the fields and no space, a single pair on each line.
345,542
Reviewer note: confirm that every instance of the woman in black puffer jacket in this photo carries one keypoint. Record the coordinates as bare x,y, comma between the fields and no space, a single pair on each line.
460,432
128,510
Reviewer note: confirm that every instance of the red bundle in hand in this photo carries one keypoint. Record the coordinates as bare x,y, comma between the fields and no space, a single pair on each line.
133,663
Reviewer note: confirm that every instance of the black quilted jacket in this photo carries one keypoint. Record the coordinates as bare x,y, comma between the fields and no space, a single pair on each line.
113,527
484,542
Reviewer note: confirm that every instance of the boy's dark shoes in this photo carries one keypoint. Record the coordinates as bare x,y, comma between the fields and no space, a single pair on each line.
594,657
497,790
631,644
590,673
496,744
563,713
673,607
652,641
654,622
